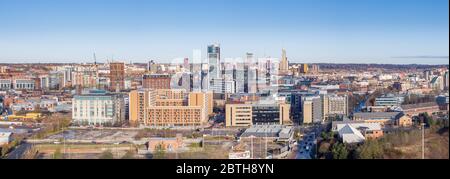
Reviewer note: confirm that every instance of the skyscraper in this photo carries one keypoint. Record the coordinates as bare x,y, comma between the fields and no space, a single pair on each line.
446,80
117,76
284,64
214,61
247,63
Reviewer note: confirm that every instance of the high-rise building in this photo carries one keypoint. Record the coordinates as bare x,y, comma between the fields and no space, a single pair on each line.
156,81
312,109
307,111
315,69
221,86
247,63
284,63
427,75
446,81
117,76
334,105
139,101
214,63
202,99
186,81
437,83
304,68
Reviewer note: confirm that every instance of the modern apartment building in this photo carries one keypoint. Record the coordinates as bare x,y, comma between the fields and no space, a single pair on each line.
158,108
98,108
203,99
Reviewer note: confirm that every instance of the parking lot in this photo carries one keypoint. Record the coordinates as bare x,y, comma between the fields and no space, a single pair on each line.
113,135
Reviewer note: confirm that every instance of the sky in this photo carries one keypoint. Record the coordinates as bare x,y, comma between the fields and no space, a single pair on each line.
311,31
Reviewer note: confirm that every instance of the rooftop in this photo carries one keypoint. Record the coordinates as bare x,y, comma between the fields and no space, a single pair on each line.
367,115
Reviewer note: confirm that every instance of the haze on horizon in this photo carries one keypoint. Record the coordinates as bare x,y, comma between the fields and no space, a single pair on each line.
312,31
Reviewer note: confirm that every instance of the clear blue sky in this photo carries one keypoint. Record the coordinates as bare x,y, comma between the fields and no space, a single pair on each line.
340,31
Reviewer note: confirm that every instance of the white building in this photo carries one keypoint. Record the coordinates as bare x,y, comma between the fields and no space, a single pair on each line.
222,86
26,84
5,138
5,84
98,108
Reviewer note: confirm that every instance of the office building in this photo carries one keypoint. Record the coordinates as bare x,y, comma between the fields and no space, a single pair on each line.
243,115
214,61
238,115
221,86
312,109
389,100
427,75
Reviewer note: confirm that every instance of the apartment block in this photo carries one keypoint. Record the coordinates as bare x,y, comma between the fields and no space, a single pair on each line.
117,76
156,108
98,108
156,81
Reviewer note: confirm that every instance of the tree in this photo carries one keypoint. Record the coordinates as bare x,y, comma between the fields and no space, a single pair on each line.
159,152
339,151
371,149
107,155
324,149
128,155
5,150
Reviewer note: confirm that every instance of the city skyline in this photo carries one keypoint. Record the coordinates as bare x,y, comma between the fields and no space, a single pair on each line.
398,32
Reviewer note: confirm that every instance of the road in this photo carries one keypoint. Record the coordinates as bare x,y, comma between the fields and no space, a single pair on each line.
19,151
307,146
